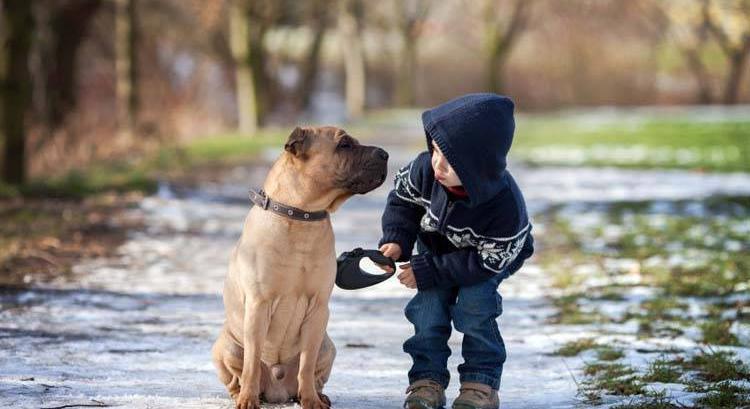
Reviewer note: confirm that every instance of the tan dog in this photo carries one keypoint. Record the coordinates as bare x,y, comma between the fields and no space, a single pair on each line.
274,343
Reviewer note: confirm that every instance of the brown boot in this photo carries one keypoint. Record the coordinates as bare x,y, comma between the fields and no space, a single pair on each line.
425,394
476,396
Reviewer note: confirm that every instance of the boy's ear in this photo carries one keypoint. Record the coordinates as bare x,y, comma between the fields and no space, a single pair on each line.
298,142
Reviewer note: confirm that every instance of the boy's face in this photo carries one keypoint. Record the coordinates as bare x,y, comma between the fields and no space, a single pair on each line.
444,173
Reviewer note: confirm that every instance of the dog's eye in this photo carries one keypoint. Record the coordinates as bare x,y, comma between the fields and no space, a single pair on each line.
345,145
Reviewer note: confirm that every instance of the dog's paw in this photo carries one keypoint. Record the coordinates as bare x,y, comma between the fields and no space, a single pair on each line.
318,401
247,401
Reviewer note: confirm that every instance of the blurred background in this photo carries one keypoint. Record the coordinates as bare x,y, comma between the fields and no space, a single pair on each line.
131,130
87,80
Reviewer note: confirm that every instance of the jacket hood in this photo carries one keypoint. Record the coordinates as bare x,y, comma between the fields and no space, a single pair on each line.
475,133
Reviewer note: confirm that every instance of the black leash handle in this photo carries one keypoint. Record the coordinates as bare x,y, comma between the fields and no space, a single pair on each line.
349,276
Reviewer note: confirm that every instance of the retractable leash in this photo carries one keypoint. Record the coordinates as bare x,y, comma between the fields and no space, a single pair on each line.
349,276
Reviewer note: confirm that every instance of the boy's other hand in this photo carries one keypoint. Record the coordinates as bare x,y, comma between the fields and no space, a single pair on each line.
406,276
391,250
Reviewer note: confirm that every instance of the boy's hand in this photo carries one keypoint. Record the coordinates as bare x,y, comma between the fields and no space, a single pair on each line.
391,250
406,276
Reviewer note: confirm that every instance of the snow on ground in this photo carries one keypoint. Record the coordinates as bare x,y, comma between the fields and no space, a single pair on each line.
136,331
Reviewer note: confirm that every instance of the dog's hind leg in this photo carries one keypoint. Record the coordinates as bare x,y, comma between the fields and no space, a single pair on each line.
227,358
324,365
325,362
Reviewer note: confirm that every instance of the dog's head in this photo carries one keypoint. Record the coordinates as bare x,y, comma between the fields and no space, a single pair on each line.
336,161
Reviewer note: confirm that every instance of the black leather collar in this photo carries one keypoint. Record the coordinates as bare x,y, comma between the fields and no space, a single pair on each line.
266,203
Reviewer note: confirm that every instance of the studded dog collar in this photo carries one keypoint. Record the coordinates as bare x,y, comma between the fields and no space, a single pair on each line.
259,198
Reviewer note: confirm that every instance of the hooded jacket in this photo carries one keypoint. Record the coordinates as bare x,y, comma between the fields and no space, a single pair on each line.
461,241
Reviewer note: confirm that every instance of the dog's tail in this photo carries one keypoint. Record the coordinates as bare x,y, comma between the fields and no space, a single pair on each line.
278,371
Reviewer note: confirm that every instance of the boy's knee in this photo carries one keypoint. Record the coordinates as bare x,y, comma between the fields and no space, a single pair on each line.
475,308
427,307
480,299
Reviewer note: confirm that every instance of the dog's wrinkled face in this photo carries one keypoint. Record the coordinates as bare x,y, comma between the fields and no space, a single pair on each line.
335,160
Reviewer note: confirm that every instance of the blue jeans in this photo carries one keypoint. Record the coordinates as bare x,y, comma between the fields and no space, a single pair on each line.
473,310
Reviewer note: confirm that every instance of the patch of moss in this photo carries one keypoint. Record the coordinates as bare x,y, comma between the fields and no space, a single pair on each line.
718,366
571,313
609,354
717,332
662,370
573,348
649,403
725,395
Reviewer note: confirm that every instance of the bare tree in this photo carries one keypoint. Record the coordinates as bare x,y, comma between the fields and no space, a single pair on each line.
125,64
411,15
318,19
502,28
69,23
729,23
15,86
249,21
694,24
688,32
350,21
247,101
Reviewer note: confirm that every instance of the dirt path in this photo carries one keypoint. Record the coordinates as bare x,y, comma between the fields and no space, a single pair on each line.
135,331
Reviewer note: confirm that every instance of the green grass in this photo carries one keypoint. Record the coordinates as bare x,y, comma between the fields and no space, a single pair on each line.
664,371
615,379
637,143
718,366
141,174
725,395
691,264
573,348
659,402
231,147
609,354
571,313
717,332
624,138
97,179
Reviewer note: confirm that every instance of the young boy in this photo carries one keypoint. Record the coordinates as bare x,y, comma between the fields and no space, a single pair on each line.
468,218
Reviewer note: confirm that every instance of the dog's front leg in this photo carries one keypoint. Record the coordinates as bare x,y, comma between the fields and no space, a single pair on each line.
311,337
255,328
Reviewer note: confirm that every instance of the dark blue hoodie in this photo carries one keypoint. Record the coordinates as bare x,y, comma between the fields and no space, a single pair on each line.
461,241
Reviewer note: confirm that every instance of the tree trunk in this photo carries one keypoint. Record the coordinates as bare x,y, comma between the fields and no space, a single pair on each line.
312,61
125,65
496,57
737,65
406,84
696,66
354,58
15,86
239,40
69,26
499,41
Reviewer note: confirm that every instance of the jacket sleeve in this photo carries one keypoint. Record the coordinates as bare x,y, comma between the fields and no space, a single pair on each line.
404,209
469,266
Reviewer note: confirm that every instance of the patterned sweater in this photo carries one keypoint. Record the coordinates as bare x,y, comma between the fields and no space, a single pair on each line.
461,241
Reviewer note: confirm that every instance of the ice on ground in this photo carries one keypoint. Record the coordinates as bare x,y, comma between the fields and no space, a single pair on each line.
136,331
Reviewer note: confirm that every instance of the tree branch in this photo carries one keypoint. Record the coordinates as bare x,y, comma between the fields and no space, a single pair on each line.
721,36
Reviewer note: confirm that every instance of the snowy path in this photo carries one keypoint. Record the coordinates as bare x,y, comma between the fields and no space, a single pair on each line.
136,331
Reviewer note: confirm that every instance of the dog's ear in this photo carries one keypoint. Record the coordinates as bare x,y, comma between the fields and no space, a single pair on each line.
298,142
